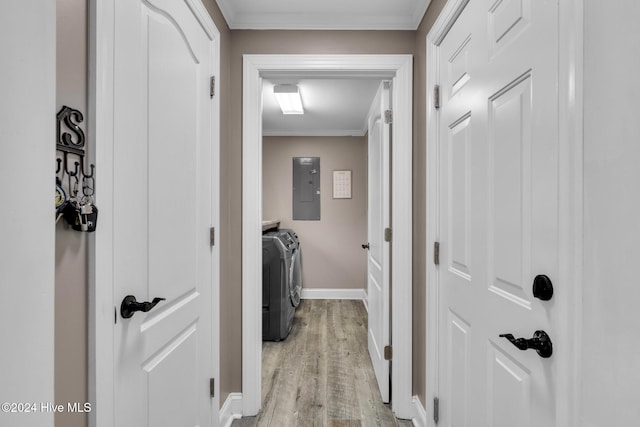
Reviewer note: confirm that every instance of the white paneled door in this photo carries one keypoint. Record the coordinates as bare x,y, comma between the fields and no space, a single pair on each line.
163,210
498,214
378,248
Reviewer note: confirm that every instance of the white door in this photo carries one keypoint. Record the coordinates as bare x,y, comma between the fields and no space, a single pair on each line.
378,250
162,215
498,210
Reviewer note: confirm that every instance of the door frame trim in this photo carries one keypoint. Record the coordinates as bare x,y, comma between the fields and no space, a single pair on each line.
400,68
102,307
570,174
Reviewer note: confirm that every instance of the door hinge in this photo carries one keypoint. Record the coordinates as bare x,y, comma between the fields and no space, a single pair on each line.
388,116
436,96
388,352
212,236
436,253
436,410
212,86
387,234
212,387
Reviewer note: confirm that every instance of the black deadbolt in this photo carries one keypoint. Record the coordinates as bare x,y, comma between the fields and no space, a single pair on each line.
542,287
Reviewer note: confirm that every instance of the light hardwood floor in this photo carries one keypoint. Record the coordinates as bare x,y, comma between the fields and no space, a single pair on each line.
321,375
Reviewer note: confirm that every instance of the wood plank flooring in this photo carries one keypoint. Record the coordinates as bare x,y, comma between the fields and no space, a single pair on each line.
321,375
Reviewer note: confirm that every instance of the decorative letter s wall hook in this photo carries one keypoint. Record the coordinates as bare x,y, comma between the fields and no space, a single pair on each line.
65,142
78,210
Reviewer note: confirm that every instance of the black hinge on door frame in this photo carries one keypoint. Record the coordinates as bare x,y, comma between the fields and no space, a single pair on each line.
212,86
436,97
436,410
388,352
212,236
387,234
436,253
212,387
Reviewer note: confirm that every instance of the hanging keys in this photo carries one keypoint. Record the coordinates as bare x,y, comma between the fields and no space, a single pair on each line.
90,217
85,211
71,214
81,215
87,214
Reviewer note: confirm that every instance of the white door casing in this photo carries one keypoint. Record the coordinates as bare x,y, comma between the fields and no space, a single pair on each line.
161,157
378,250
399,69
495,183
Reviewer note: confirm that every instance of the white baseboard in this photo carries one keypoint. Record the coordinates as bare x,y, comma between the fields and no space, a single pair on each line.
420,419
333,294
231,410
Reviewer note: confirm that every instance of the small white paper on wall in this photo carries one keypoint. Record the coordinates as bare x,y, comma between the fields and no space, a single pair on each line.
342,184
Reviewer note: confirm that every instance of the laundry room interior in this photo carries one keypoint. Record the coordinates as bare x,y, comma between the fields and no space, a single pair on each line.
314,194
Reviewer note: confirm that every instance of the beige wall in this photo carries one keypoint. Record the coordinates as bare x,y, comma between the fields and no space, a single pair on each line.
333,257
70,371
419,199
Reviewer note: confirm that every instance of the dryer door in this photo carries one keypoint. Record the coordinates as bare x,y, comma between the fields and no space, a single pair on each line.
295,277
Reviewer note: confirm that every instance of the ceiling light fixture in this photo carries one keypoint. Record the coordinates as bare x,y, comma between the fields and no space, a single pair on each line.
288,96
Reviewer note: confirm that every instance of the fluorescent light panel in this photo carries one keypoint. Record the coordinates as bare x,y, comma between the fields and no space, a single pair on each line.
288,96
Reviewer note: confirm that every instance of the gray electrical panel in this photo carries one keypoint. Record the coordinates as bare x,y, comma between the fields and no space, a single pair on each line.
306,188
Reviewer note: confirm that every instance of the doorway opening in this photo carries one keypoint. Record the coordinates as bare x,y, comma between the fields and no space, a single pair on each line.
323,202
398,69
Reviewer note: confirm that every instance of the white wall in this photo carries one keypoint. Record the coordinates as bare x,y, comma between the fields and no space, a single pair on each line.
331,248
611,335
27,169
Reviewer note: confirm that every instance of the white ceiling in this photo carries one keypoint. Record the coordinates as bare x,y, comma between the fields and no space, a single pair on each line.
323,14
333,107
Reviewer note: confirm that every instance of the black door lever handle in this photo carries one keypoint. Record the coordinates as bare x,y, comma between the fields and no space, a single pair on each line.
365,246
540,342
129,306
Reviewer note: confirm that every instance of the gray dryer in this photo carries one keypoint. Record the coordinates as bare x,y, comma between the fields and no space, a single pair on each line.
278,293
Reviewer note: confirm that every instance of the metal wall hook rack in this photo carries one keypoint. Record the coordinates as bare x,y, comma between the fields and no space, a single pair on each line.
71,172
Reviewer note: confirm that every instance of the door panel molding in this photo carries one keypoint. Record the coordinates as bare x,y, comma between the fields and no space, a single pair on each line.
400,69
570,78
